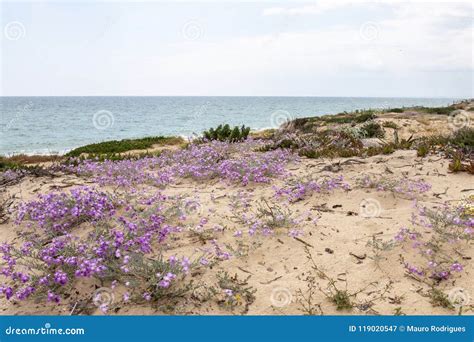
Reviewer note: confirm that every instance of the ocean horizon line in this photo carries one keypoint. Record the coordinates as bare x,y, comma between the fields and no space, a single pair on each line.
253,96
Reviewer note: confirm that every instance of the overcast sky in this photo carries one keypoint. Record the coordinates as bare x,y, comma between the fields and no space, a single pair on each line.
320,48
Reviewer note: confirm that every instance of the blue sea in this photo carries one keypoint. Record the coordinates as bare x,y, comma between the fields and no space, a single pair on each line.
54,125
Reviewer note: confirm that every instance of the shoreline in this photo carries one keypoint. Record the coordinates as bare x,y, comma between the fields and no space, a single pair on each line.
246,96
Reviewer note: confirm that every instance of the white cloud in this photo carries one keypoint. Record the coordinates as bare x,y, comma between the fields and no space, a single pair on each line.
316,8
424,47
408,43
321,6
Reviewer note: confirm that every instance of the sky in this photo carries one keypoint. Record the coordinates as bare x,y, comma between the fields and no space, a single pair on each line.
265,48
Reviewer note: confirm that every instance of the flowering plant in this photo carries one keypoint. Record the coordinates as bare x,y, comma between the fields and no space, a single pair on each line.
299,189
403,186
438,237
57,213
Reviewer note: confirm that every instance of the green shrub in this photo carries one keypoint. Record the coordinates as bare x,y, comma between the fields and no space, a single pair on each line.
331,144
312,154
365,116
430,110
120,146
225,133
372,130
359,116
390,124
304,125
339,119
439,298
405,144
342,300
461,162
396,110
438,110
456,165
287,143
422,150
5,164
388,149
463,137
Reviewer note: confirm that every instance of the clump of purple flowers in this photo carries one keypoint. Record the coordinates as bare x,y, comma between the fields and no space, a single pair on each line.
49,269
234,162
299,189
124,173
153,279
11,175
125,247
402,186
254,167
437,237
58,212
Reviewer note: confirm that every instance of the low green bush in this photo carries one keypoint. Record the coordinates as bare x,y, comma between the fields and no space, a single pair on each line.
438,110
390,124
372,130
359,116
396,110
463,137
120,146
225,133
